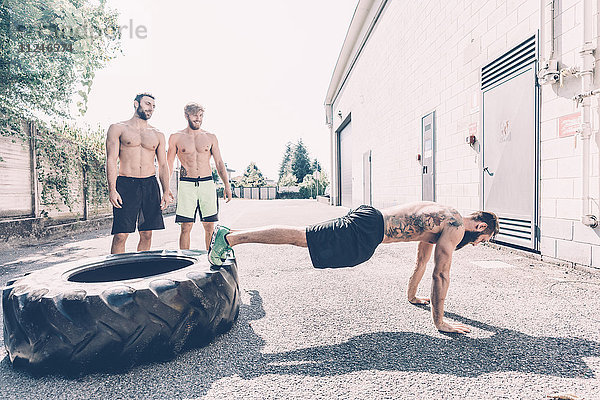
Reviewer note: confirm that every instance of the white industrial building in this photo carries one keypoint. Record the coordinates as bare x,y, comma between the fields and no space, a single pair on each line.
478,104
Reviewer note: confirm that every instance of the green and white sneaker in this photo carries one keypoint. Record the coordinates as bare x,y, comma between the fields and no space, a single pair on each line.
219,248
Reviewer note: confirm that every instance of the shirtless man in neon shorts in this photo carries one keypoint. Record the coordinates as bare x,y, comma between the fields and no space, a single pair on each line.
196,192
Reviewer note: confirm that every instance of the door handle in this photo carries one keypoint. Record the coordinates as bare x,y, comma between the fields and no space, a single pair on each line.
424,169
488,171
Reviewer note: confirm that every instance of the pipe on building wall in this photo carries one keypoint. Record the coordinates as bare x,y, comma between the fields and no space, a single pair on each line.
332,159
542,26
548,72
587,76
547,46
551,28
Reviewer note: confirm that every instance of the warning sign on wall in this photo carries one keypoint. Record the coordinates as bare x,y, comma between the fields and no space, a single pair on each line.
473,129
568,124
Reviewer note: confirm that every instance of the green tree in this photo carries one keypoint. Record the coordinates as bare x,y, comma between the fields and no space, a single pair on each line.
49,53
286,162
316,166
301,165
314,184
323,181
253,177
288,179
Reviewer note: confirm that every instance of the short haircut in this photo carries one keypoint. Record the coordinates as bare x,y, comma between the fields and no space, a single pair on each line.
139,96
490,219
192,108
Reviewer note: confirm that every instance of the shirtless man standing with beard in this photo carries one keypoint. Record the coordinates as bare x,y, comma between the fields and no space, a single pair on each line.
196,190
131,148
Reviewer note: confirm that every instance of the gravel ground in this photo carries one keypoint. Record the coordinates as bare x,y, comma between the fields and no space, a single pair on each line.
349,333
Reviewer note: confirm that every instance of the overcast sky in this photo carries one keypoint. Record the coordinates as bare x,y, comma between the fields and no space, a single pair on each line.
261,69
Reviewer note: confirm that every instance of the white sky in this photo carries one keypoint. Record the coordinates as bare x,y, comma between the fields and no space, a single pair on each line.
261,69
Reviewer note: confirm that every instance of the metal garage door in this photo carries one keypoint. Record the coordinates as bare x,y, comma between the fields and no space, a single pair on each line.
15,177
346,165
510,152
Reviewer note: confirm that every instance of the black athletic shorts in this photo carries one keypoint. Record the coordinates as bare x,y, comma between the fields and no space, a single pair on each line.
346,241
141,204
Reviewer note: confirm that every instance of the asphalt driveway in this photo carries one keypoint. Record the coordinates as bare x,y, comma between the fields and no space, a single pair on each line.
349,333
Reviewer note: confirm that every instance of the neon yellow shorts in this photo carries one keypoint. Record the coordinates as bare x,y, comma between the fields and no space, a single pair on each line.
197,194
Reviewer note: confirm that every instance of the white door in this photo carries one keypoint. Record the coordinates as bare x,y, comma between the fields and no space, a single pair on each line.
428,151
509,156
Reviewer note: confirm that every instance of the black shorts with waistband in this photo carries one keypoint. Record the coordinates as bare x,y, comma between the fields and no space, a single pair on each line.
346,241
141,205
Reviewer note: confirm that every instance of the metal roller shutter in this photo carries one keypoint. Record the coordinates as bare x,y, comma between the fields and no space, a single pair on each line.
15,177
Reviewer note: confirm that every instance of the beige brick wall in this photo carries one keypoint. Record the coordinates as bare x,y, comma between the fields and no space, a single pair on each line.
427,56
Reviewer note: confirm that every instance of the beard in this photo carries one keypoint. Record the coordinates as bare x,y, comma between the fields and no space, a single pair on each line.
469,237
194,125
145,115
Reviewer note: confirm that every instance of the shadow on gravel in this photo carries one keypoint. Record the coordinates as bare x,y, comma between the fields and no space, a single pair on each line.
239,353
505,351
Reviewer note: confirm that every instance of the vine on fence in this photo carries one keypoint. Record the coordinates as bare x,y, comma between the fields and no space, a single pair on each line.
64,154
93,161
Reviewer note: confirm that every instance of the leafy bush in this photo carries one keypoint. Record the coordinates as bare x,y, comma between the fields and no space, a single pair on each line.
35,82
64,153
290,195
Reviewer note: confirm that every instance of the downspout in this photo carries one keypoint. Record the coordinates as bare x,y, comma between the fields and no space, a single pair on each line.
332,157
548,69
547,47
551,45
542,29
587,76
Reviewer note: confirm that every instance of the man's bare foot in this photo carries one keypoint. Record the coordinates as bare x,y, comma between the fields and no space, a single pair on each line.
419,300
453,327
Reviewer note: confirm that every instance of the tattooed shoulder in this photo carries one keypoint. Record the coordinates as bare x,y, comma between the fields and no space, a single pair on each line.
454,218
407,227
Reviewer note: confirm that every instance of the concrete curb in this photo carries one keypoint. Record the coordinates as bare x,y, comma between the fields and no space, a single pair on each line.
323,199
29,231
549,260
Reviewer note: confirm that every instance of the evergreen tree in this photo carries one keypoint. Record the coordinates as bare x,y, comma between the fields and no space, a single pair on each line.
301,165
286,163
316,166
253,177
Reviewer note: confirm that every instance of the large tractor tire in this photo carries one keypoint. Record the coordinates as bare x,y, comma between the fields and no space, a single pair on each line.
116,311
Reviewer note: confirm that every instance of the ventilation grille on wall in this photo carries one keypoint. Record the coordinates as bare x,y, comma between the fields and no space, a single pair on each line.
515,228
518,57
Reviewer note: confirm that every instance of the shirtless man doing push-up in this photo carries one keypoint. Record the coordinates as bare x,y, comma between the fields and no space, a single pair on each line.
352,239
